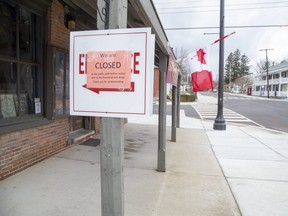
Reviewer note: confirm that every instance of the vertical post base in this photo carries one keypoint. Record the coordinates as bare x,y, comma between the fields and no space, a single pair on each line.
112,156
219,124
161,161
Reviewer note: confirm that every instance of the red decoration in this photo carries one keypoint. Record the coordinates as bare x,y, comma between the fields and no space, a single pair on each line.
201,57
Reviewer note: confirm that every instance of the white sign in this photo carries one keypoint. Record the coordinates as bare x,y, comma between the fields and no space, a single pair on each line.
37,105
111,72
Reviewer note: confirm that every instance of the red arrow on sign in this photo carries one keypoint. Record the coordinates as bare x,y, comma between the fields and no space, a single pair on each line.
97,90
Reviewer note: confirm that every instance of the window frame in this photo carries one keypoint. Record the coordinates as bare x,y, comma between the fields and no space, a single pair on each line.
12,124
65,95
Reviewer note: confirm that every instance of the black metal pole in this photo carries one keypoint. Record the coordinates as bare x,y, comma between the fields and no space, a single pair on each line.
178,101
219,123
174,113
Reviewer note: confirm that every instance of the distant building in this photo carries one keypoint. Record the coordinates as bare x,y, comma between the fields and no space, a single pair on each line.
231,87
278,81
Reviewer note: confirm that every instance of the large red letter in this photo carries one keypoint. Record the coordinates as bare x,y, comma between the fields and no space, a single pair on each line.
136,62
81,63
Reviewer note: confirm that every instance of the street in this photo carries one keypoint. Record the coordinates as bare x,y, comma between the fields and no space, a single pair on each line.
258,111
270,113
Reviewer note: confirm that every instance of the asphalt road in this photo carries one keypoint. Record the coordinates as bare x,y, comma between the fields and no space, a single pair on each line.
189,110
270,113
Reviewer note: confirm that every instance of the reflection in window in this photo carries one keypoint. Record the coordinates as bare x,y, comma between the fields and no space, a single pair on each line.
7,30
61,84
28,83
25,34
67,86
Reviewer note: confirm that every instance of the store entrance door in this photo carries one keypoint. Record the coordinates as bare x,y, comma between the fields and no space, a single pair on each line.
81,127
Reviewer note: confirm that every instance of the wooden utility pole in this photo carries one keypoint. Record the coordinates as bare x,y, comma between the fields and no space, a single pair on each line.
267,71
112,134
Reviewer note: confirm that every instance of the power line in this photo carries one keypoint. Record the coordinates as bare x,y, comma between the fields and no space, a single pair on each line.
185,2
195,11
216,27
209,6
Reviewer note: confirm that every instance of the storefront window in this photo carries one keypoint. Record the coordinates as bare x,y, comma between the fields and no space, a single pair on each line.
61,83
19,61
67,98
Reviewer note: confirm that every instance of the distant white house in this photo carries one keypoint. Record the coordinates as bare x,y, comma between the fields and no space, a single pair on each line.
278,81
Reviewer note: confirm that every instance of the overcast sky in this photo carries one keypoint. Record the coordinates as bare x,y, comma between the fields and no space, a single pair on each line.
205,13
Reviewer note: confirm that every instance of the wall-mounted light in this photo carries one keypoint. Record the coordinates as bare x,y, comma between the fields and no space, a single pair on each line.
69,18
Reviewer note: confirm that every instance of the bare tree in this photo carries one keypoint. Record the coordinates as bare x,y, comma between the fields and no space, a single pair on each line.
243,83
184,68
261,66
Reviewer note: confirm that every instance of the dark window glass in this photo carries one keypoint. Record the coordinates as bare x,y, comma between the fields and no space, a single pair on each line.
7,30
8,77
20,70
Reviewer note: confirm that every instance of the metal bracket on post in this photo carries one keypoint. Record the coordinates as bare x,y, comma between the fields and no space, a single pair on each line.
104,12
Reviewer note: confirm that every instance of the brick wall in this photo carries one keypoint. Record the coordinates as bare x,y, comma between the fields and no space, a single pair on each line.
59,34
156,83
19,150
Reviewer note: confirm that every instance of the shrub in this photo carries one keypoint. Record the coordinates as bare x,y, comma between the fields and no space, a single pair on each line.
188,98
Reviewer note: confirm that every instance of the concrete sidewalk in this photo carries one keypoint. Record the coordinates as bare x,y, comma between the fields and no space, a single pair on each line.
208,173
255,163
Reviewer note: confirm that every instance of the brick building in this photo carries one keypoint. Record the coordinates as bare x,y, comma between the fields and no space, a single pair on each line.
34,75
34,89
